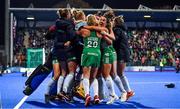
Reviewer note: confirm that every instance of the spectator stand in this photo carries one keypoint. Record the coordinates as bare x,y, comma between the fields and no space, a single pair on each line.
153,34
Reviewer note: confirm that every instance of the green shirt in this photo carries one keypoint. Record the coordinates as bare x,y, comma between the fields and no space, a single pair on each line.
92,43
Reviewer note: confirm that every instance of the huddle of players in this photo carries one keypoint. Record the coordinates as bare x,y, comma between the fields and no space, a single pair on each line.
98,45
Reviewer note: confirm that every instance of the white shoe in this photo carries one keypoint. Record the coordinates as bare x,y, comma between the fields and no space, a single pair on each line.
123,97
112,99
102,97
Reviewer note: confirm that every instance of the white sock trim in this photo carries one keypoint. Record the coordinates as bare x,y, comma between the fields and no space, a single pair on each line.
59,85
95,86
67,82
85,82
119,84
110,85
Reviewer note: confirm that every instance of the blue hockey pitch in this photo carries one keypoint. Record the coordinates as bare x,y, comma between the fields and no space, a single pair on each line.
149,87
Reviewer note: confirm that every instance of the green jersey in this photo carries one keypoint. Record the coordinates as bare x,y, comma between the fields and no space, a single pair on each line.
92,43
91,55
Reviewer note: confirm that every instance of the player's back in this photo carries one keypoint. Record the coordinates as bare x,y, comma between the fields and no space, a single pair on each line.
92,43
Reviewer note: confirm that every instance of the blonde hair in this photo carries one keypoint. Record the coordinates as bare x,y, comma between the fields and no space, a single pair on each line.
78,15
91,20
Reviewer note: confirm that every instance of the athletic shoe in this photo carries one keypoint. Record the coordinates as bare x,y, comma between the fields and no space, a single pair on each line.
130,94
28,90
49,98
87,100
96,99
63,95
112,99
123,97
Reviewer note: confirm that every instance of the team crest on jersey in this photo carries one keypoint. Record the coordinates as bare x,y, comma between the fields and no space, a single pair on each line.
106,54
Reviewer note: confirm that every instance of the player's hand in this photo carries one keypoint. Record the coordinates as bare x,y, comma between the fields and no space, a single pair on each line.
111,24
67,44
103,33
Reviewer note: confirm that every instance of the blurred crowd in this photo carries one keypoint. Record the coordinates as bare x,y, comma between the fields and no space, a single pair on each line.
147,47
150,47
24,39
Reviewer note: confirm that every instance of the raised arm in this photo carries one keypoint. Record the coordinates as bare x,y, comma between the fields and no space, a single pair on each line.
109,35
83,32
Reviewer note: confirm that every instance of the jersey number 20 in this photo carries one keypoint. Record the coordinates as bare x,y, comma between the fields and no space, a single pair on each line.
93,44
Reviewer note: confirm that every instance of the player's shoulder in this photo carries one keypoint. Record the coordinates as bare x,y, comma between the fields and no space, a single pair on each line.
85,32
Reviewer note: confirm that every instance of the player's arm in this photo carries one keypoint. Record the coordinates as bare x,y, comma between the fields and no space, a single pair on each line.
83,32
50,33
96,28
109,35
108,40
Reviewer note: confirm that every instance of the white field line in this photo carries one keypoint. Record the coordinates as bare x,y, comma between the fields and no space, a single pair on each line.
21,102
0,101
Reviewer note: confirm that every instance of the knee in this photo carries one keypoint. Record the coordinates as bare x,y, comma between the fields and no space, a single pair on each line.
55,78
99,75
105,75
86,75
71,69
113,75
120,73
122,76
92,79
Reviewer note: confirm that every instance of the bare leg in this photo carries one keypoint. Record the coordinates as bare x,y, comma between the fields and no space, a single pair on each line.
101,91
109,82
63,74
69,78
94,84
121,67
56,71
86,76
118,82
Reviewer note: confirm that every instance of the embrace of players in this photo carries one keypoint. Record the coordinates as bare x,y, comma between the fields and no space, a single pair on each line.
91,48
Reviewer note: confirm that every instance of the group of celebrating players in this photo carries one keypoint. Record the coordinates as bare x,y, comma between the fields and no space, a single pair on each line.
97,45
